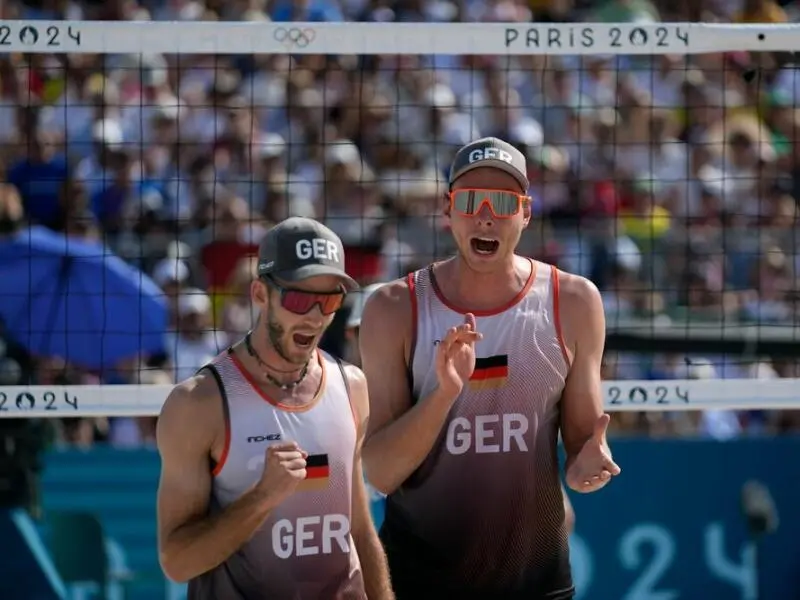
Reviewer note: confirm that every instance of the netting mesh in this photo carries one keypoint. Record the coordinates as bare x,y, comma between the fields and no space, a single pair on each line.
670,181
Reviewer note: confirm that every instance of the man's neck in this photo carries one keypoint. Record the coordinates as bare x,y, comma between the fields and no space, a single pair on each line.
309,377
277,366
474,290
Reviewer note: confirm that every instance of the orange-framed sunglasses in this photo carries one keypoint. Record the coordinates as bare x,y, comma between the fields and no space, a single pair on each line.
502,204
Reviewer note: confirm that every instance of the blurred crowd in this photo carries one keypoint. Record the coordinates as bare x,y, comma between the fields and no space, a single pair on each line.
671,181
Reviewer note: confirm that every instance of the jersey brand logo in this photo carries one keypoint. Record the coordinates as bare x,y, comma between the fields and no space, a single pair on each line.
270,437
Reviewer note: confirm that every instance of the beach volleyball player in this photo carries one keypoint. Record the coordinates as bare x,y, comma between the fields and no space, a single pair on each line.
261,494
474,366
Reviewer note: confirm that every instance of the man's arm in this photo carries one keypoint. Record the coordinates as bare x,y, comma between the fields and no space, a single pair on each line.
400,435
374,567
190,541
584,330
569,512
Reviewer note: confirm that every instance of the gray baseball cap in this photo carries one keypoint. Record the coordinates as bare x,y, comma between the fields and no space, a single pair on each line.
490,152
299,248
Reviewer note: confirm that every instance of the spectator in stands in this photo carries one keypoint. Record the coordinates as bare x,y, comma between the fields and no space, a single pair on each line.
194,342
12,212
238,312
761,11
39,173
672,181
172,275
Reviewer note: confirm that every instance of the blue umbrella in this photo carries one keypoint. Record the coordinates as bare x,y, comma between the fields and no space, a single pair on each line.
74,299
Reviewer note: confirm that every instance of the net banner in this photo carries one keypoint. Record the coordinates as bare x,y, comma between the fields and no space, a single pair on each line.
374,38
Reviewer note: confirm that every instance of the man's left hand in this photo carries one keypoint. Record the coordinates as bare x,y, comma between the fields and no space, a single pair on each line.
593,467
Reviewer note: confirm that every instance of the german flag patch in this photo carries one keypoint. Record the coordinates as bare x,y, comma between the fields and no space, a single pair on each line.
490,373
317,473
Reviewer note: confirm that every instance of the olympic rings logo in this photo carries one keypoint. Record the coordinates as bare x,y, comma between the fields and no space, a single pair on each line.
294,37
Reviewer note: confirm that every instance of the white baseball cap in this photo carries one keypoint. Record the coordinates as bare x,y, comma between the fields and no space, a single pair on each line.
169,270
108,132
193,302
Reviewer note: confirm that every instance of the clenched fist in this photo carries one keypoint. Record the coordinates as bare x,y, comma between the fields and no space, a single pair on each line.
284,469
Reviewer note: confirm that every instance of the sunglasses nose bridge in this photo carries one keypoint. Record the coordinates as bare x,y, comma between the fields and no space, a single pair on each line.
324,306
485,210
316,309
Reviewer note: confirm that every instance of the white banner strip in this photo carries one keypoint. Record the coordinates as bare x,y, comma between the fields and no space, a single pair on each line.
124,37
619,396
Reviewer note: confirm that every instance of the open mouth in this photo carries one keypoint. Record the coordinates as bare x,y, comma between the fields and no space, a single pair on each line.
303,340
485,246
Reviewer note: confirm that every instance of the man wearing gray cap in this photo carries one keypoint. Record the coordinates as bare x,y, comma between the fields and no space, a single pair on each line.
475,365
261,493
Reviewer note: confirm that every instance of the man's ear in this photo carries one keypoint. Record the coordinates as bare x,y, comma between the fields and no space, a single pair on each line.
527,212
259,294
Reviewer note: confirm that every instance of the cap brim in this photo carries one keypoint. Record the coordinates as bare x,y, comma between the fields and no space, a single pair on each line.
495,164
303,273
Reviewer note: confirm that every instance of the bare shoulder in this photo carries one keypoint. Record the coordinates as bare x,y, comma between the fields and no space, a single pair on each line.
387,324
576,293
355,378
385,339
582,316
389,303
193,408
359,396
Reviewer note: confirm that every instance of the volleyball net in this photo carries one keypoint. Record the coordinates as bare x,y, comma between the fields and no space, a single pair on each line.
150,156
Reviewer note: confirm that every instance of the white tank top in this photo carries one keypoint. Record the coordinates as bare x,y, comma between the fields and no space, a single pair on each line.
304,549
526,331
490,486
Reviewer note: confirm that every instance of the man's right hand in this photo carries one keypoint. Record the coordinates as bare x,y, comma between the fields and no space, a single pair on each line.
284,469
455,357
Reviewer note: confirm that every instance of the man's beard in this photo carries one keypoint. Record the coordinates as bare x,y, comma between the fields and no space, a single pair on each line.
276,334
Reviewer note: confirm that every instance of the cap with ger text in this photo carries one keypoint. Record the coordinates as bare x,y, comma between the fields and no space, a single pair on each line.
299,248
491,152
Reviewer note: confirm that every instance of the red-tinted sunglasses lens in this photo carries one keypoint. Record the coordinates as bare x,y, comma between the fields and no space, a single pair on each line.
301,303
